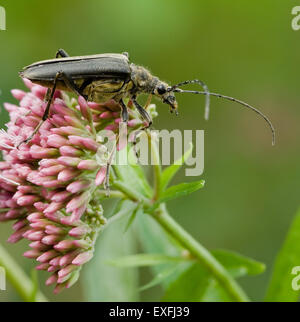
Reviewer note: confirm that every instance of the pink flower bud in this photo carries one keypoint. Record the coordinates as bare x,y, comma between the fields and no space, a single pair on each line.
67,259
52,171
40,224
19,224
66,270
52,184
67,175
27,200
84,108
42,153
72,279
100,176
45,163
51,239
58,120
33,253
55,261
53,207
84,142
64,245
37,245
79,231
69,151
18,94
35,216
42,267
54,230
52,279
59,288
37,235
16,236
56,141
78,201
71,130
82,258
12,214
39,91
60,108
78,186
73,121
52,268
69,161
88,165
28,83
106,115
60,196
47,256
82,243
111,127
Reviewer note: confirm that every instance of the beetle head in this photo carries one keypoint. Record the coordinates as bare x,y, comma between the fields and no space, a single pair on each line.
166,94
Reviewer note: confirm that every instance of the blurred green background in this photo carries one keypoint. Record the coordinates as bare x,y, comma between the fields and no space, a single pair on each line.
244,49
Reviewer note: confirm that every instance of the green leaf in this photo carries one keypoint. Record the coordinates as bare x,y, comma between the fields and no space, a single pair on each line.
285,273
160,277
140,173
179,190
190,286
123,208
139,260
137,212
171,170
134,176
196,284
102,282
154,239
238,265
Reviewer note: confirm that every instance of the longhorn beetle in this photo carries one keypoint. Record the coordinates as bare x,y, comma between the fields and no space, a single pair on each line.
102,77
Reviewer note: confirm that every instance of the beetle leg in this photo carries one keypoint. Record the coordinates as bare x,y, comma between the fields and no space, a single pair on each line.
148,102
145,115
108,166
46,113
72,86
47,95
61,53
142,112
124,112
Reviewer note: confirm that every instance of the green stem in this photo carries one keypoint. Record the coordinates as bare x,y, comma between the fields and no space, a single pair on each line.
20,281
112,193
200,253
130,193
156,166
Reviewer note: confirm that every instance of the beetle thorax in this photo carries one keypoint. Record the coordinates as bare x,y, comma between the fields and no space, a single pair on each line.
143,80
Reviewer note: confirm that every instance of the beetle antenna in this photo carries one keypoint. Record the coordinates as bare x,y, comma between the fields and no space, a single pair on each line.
179,90
205,88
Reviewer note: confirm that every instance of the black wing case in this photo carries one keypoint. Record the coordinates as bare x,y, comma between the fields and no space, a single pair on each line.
101,67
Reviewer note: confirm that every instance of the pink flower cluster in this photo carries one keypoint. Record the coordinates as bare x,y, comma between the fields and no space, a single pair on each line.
49,185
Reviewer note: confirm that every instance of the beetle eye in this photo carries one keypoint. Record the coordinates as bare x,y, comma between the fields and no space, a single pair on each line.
161,89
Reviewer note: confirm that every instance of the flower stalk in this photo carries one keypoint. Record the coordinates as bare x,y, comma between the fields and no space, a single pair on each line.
200,253
19,280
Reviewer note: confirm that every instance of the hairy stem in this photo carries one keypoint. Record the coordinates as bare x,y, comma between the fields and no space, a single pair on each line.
162,216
